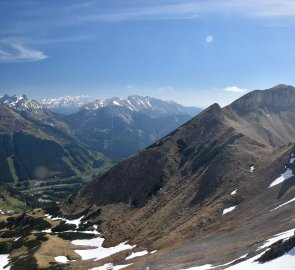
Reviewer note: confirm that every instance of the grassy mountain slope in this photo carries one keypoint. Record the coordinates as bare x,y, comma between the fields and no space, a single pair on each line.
171,196
12,201
30,150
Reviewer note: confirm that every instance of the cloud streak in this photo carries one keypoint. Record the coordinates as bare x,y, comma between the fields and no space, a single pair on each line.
18,53
234,89
29,24
194,9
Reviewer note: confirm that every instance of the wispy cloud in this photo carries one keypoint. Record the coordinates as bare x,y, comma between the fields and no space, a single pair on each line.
82,12
17,53
55,40
234,89
187,9
50,26
130,86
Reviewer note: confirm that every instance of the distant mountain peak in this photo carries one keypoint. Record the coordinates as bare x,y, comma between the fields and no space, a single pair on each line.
21,103
66,104
277,98
152,106
281,86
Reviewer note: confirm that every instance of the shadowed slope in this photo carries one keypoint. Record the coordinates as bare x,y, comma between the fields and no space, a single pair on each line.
173,194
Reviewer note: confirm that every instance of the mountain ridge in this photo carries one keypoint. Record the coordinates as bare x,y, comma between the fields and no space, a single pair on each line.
112,128
118,131
148,105
25,137
66,105
182,185
155,107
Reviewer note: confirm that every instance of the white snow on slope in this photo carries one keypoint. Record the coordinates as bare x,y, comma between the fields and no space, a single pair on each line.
137,254
202,267
292,160
252,168
68,221
281,236
283,204
66,101
234,192
286,175
285,262
98,252
61,259
74,221
4,261
47,231
117,103
227,210
108,266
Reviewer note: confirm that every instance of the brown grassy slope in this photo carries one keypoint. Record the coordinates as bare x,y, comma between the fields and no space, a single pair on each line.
173,193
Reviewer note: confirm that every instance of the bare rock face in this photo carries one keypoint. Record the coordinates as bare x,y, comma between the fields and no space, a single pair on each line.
276,99
278,249
173,194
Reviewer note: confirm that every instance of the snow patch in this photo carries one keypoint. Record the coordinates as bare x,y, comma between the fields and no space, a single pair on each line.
286,262
227,210
131,107
283,204
234,192
98,252
286,175
231,262
68,221
137,254
74,221
252,168
47,231
281,236
203,267
4,261
61,259
116,103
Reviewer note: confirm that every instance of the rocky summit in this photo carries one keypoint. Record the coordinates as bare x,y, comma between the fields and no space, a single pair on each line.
215,193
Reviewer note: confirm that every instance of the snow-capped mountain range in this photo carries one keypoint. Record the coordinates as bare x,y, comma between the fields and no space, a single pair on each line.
72,104
22,103
148,105
115,127
152,106
67,104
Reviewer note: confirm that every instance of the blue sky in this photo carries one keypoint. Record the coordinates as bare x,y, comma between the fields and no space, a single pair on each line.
193,52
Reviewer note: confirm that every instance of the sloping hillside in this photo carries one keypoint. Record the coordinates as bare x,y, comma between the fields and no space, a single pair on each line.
195,193
31,150
119,132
